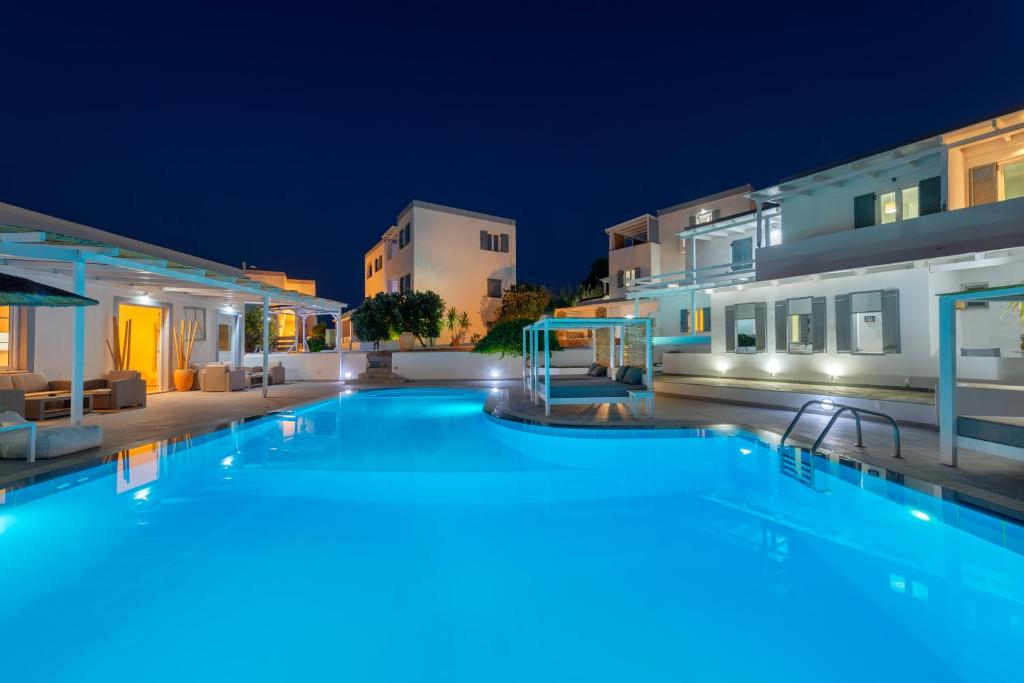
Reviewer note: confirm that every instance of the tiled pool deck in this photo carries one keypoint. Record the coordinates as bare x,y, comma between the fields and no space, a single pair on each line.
995,480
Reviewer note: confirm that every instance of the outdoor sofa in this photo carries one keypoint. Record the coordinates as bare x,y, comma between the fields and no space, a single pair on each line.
51,442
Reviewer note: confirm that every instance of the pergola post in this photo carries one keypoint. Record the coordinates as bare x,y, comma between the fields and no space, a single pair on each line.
622,344
650,354
337,345
78,348
525,355
535,351
947,381
266,344
757,219
593,344
611,348
547,370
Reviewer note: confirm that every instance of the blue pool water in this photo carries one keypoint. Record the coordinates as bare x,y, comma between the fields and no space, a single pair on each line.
406,536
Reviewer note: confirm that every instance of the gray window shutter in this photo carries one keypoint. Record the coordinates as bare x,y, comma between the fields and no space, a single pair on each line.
684,320
891,321
864,210
929,196
730,329
693,220
843,313
984,189
781,327
485,240
621,279
818,314
638,273
715,215
504,242
761,325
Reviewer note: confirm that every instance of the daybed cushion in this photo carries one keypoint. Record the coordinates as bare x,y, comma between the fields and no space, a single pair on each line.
600,371
31,382
592,389
51,442
633,376
621,372
1004,430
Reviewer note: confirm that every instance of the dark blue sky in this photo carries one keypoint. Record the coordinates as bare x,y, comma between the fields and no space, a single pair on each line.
289,135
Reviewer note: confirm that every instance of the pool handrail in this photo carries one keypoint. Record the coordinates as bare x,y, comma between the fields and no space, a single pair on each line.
840,409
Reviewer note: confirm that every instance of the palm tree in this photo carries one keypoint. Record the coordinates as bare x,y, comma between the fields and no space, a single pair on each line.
451,322
463,325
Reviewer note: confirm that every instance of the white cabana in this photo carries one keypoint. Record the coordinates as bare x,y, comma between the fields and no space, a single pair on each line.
584,390
997,427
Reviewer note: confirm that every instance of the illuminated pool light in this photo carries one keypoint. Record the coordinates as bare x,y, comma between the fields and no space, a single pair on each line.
745,451
920,514
142,494
228,461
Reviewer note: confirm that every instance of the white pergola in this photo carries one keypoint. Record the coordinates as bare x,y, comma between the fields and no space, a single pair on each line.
531,349
85,254
949,436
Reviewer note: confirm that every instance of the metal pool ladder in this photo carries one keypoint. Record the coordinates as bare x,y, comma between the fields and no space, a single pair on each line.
840,409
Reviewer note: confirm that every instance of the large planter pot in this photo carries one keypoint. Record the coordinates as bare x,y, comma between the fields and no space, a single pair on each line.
406,341
183,380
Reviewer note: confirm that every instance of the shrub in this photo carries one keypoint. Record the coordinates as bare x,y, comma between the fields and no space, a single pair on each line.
523,301
421,314
378,318
254,328
506,338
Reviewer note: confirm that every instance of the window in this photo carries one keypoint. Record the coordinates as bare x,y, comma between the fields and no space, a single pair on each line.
701,320
745,328
898,205
378,264
868,322
7,317
369,270
964,305
800,325
705,216
405,283
743,253
494,288
405,236
1013,180
390,248
493,242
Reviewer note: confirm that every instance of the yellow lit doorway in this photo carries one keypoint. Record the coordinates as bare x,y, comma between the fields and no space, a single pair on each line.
146,345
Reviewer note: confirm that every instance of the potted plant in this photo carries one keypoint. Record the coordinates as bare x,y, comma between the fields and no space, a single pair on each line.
184,340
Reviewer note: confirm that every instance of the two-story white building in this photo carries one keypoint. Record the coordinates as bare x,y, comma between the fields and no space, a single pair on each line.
839,279
467,258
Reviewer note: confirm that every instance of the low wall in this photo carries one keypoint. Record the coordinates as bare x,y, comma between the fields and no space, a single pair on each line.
417,365
303,366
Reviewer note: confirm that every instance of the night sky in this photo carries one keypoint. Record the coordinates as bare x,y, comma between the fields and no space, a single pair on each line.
290,136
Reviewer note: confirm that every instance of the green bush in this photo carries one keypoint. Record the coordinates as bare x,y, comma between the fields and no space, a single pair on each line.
506,338
316,344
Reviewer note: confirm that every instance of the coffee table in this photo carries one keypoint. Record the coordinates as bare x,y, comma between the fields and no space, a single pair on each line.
53,404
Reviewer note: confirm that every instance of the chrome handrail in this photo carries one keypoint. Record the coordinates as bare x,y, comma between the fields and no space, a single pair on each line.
841,408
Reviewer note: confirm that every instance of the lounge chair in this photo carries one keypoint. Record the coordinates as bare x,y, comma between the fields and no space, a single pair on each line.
51,442
11,398
219,377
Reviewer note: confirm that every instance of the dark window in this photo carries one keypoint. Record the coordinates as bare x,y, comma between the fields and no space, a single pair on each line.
742,253
369,270
929,196
746,327
405,236
864,210
405,283
494,288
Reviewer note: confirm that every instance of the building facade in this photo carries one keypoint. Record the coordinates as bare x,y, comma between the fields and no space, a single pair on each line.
843,265
467,258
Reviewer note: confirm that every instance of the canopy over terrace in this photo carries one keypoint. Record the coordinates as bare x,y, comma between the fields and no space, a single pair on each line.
35,242
531,350
1004,437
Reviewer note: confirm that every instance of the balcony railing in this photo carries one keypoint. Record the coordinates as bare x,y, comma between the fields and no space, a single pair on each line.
670,284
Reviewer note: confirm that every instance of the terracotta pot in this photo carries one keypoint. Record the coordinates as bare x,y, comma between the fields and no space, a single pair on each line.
183,380
406,341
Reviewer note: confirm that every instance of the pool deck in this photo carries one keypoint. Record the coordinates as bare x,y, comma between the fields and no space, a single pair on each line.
998,481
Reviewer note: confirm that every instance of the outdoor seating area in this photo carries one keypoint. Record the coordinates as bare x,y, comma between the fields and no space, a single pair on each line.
225,377
609,379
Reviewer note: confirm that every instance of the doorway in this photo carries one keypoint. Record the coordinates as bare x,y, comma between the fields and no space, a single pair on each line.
147,341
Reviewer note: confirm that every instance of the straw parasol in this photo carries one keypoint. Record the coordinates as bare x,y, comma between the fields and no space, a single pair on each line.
19,291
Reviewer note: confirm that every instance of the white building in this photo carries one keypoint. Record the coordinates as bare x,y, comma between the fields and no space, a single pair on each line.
467,258
154,287
844,287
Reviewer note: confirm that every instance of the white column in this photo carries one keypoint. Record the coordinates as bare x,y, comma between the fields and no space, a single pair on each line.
547,370
650,355
266,344
78,348
300,330
239,345
693,260
947,381
593,345
611,348
622,344
337,345
636,307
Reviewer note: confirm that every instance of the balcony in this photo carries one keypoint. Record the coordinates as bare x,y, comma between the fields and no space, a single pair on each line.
980,228
704,277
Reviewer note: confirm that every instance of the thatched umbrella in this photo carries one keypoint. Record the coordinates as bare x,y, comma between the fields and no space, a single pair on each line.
19,291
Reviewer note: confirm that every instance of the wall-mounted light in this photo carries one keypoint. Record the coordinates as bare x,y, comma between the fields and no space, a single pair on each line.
495,374
772,367
629,316
833,371
721,366
144,296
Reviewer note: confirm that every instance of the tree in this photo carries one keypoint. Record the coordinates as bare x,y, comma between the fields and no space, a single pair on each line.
378,318
523,301
591,286
254,329
451,323
506,338
421,313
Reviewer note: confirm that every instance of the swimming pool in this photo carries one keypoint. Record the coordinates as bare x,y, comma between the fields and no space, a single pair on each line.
404,535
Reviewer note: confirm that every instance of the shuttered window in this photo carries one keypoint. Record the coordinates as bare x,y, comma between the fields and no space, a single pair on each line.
494,288
760,326
742,253
843,315
730,329
864,210
485,240
983,185
697,321
929,196
684,320
504,243
621,275
818,320
781,321
891,321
